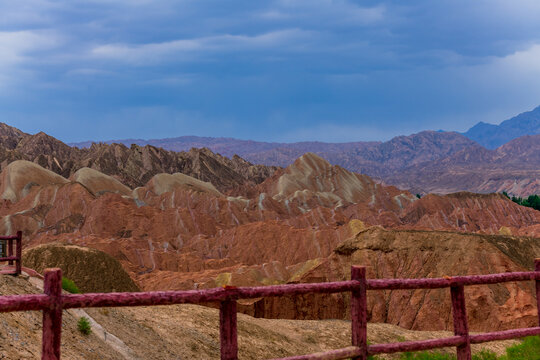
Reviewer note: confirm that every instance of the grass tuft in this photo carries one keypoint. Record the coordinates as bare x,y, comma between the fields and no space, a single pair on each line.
84,325
529,349
70,286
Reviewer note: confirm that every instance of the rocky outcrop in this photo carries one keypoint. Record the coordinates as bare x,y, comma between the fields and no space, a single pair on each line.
469,212
10,136
98,183
20,176
164,183
312,181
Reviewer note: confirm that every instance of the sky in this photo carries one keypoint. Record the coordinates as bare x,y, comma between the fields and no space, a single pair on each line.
283,70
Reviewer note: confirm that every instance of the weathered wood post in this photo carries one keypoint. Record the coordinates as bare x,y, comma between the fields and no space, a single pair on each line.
359,311
18,263
10,250
52,317
537,268
461,327
228,330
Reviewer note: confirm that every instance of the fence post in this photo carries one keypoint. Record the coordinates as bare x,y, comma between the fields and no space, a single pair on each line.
461,328
537,268
10,250
18,263
228,330
52,317
359,311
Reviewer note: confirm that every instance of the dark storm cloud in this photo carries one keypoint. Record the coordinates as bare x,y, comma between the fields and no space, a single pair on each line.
270,70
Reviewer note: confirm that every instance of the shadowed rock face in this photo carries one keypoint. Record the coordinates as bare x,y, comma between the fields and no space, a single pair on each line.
10,136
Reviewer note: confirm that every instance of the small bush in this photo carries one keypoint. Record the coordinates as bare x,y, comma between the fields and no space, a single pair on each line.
425,355
84,326
529,349
70,286
485,355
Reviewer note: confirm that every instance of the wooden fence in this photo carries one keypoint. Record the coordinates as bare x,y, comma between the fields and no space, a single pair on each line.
11,258
52,302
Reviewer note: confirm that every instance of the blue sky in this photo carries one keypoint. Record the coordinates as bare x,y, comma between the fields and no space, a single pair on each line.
285,70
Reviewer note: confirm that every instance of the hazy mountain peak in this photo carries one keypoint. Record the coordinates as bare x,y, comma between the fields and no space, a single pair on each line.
493,136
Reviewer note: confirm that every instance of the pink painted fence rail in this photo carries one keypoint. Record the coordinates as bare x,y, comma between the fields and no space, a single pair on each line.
52,302
13,257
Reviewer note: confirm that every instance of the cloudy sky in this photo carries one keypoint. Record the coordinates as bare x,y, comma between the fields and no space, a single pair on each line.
284,70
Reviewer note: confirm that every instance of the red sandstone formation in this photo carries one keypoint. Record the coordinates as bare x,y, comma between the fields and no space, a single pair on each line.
179,232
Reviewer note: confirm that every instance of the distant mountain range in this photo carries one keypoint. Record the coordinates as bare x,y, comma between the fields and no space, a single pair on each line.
492,136
282,154
430,161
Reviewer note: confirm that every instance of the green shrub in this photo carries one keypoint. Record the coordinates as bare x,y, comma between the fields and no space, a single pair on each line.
485,355
532,201
529,349
84,326
70,286
426,355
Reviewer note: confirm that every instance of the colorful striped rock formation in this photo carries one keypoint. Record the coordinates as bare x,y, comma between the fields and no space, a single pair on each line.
234,223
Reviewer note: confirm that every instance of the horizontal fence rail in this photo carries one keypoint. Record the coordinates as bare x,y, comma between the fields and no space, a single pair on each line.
52,302
7,241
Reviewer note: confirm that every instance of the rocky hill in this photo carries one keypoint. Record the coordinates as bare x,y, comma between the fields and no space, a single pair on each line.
133,166
417,254
512,167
